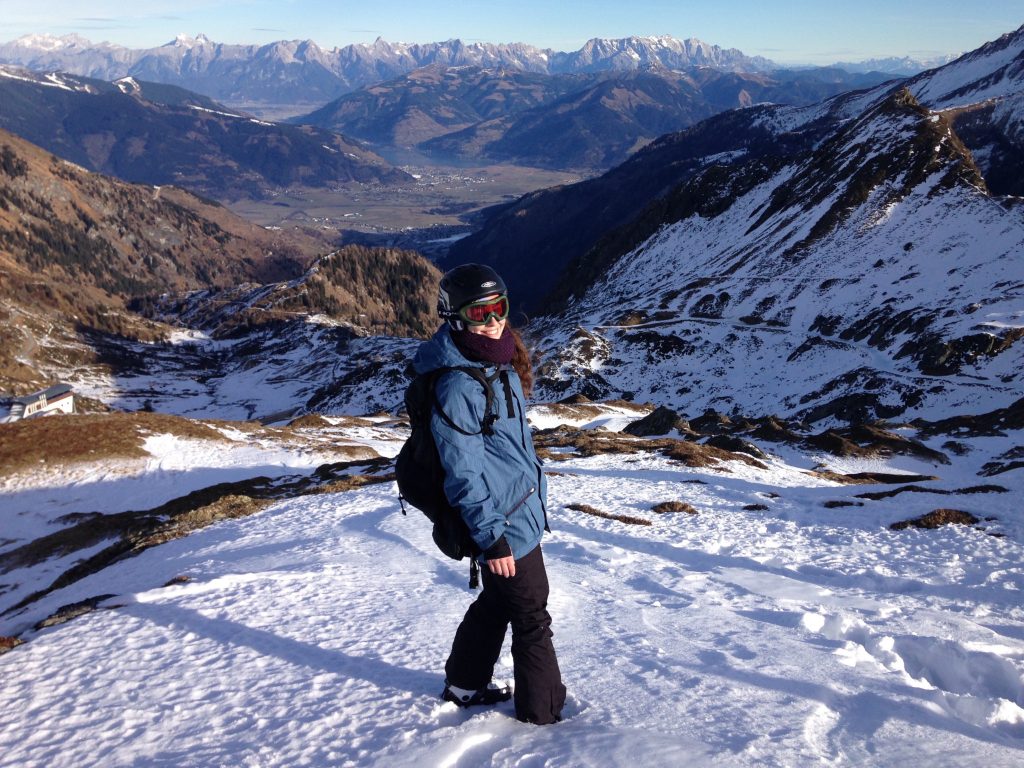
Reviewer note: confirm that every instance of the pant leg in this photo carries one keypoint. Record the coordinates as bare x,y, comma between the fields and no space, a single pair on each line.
478,639
539,692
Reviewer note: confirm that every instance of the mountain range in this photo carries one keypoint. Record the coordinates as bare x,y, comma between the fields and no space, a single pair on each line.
844,261
300,71
156,133
581,121
905,66
160,134
981,91
853,253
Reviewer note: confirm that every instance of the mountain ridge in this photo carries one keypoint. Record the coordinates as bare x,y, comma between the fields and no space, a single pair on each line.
249,75
829,276
844,261
583,121
162,134
514,236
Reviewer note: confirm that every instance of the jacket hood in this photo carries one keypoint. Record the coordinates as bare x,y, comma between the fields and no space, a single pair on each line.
440,352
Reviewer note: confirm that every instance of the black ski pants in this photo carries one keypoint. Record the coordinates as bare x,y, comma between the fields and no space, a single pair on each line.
521,601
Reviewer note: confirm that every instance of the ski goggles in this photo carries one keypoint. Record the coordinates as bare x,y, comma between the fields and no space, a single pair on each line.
481,312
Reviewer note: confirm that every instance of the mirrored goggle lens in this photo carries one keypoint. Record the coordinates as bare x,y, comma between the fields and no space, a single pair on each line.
480,312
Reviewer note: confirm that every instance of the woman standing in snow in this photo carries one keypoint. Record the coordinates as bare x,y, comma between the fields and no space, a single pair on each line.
494,478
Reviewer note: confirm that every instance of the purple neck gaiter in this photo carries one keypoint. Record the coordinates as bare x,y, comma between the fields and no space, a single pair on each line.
483,349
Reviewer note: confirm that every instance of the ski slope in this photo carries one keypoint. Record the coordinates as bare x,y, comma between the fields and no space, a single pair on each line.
314,633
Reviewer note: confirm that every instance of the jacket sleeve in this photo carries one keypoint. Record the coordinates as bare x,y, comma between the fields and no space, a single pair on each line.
462,457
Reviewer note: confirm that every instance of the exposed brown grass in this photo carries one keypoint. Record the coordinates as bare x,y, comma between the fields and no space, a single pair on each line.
578,408
697,455
869,478
674,506
351,482
937,518
316,421
589,510
866,440
86,532
918,489
33,443
309,421
594,443
227,507
130,533
66,613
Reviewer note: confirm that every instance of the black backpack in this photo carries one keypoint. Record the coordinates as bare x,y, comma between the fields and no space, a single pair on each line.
418,467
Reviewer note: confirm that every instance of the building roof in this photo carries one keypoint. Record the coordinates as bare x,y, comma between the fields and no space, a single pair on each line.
50,393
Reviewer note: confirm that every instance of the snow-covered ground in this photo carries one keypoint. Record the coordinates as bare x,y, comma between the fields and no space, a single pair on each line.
314,633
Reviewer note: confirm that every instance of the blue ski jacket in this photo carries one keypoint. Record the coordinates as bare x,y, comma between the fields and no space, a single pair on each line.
495,481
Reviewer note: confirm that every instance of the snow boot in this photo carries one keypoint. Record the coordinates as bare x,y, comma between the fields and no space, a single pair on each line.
489,694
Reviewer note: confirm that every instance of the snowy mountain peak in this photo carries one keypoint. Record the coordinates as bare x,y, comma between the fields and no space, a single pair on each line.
664,50
994,71
46,42
896,65
129,85
225,71
834,261
184,41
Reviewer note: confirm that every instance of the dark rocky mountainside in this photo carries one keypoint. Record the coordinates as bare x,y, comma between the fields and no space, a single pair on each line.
82,254
846,261
438,100
580,121
982,92
379,291
600,126
534,238
96,234
871,276
158,134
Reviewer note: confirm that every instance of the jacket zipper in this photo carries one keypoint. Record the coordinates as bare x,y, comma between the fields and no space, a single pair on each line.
522,501
540,470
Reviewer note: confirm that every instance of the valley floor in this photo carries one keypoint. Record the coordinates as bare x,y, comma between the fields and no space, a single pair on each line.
440,196
314,632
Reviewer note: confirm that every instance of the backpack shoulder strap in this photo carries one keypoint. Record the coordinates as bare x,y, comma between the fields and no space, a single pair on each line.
484,381
506,384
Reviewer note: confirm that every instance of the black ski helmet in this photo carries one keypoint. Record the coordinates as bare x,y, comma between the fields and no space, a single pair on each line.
464,284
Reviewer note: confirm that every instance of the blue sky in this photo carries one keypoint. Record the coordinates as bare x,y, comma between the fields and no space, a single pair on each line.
797,31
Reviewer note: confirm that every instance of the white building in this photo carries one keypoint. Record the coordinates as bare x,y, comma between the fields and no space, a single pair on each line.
56,399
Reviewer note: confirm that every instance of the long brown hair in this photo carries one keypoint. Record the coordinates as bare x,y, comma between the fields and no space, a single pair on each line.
521,361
